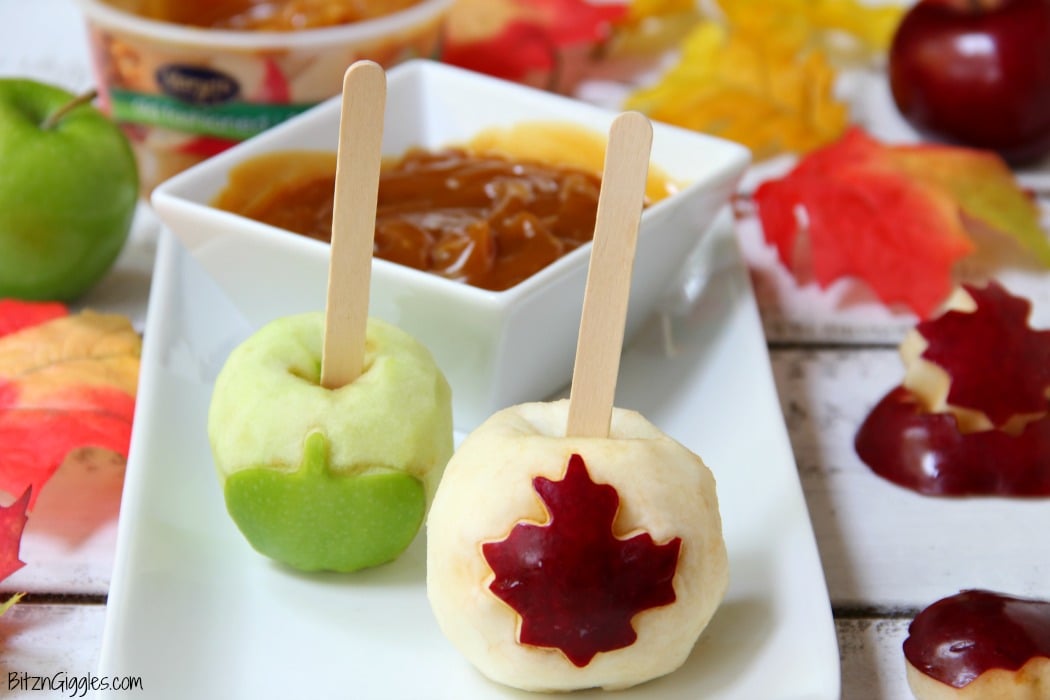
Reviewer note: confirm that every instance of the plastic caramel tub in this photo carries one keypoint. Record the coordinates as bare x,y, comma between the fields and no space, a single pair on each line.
183,92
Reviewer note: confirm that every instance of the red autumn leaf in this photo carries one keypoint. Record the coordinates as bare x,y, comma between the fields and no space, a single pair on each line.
892,215
16,314
66,383
12,522
576,585
532,51
997,363
527,36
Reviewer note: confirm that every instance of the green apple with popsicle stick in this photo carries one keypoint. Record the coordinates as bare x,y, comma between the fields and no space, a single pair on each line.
331,430
329,479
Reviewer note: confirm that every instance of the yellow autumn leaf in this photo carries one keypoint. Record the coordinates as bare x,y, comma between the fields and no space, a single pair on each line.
83,350
7,604
815,23
765,95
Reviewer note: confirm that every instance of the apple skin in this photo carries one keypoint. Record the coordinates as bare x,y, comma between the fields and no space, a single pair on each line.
67,193
976,73
329,479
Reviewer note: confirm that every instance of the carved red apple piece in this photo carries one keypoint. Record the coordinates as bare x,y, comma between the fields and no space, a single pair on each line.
972,416
980,645
976,72
575,585
562,563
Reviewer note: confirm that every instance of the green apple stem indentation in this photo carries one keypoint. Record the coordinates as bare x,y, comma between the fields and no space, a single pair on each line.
51,120
316,518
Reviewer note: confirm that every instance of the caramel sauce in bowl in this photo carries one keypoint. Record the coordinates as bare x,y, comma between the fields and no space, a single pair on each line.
490,213
496,348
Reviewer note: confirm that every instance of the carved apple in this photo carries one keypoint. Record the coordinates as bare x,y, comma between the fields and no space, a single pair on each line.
558,563
329,479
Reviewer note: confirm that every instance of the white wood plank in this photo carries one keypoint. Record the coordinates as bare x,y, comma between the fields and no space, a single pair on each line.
883,545
872,658
51,641
48,639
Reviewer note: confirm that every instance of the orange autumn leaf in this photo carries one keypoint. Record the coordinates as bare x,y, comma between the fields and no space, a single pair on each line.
893,216
67,383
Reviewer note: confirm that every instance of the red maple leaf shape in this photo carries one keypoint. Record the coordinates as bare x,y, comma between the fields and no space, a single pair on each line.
575,585
998,365
12,522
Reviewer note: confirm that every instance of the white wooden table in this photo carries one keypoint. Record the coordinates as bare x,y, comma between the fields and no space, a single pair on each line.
886,552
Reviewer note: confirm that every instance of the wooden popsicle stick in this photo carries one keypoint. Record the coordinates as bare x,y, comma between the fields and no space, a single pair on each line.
353,223
600,342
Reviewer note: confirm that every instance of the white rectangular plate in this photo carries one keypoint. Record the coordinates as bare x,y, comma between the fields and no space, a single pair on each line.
197,613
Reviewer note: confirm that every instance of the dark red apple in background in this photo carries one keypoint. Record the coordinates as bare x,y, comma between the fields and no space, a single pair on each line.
977,73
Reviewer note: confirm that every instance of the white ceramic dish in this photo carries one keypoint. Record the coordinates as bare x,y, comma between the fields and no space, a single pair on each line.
197,613
496,348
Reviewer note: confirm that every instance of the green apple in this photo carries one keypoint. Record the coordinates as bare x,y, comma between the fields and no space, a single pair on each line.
329,479
68,190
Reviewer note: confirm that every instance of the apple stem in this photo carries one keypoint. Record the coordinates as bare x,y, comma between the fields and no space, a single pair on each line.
83,98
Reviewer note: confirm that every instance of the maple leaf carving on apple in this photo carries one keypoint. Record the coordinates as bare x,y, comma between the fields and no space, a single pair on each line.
972,415
563,563
603,582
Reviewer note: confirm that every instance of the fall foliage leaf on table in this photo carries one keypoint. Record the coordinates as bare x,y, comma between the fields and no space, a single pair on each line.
65,383
12,522
820,24
575,584
519,39
7,604
763,75
893,216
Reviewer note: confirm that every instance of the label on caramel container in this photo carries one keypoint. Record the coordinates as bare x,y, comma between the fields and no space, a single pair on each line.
233,119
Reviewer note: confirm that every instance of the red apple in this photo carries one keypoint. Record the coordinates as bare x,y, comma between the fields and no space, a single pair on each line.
977,73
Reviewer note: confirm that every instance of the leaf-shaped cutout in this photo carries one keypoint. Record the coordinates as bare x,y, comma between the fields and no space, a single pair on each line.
67,383
574,584
996,362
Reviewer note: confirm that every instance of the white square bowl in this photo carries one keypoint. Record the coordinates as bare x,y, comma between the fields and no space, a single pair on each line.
495,348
